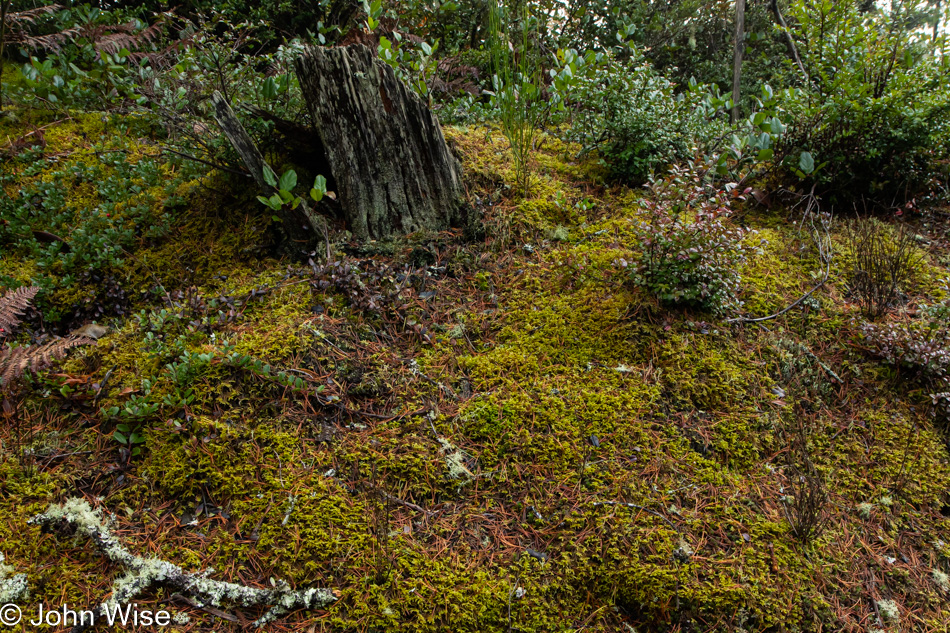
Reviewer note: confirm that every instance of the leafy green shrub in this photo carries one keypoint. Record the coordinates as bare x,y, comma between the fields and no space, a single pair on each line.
691,253
627,112
92,58
875,102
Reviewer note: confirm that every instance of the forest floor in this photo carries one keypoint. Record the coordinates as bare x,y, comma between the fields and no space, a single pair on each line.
491,435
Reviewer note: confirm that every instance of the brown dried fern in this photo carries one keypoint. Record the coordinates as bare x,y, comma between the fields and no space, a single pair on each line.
16,361
13,304
105,38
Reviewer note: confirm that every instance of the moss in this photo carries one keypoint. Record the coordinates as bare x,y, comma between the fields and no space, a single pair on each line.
586,458
699,373
217,457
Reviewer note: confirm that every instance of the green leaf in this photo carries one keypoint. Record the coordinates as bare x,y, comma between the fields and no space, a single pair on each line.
766,154
806,162
269,176
319,188
288,181
120,438
270,88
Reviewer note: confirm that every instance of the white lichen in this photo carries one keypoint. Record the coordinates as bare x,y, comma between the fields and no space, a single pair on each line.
889,610
942,580
13,587
865,510
454,460
181,618
142,573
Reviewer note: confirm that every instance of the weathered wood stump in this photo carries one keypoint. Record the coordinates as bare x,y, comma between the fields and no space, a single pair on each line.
393,170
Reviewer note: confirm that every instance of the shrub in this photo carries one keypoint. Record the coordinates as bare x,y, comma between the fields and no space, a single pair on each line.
691,253
922,345
875,102
627,112
884,260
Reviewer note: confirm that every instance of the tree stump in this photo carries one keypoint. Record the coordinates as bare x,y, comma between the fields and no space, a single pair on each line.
393,170
301,225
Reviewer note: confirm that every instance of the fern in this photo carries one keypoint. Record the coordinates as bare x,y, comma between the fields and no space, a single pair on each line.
12,306
16,361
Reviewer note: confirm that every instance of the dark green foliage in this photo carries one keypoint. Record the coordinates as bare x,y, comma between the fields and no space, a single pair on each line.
874,110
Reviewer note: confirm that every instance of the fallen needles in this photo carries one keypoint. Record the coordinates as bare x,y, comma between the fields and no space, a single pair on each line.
637,507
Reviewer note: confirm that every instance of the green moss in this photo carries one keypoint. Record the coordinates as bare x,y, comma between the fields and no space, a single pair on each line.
703,373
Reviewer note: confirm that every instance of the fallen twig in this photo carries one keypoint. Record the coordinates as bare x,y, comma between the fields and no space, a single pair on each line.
141,573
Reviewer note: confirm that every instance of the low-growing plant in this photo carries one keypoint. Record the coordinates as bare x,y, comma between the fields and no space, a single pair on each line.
884,260
806,494
517,82
284,188
126,202
921,345
691,253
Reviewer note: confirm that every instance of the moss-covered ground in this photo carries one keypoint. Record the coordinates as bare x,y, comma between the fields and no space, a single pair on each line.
499,435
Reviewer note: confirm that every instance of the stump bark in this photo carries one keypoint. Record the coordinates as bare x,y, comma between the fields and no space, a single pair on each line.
394,172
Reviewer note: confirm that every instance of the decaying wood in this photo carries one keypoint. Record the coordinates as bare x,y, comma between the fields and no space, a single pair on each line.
302,225
393,170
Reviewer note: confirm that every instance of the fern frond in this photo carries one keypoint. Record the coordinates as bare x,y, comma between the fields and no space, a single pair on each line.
12,306
51,42
126,36
29,16
16,361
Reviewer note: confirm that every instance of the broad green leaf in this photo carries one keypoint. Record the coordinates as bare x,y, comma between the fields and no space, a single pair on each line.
806,162
269,176
288,181
270,88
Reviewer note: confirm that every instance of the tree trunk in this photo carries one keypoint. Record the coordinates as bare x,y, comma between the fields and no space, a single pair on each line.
301,225
737,58
394,172
936,20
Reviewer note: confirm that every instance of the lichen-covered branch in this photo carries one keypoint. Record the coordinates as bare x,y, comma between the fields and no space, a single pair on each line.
143,573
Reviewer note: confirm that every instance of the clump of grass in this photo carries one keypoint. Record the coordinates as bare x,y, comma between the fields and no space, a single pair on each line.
517,83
